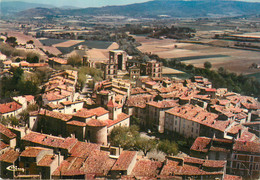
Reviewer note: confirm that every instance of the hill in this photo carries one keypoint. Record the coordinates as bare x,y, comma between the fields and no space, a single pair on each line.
12,7
177,8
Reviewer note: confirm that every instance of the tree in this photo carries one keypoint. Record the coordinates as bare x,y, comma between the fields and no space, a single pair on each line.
30,42
125,137
74,60
207,65
11,41
169,148
145,145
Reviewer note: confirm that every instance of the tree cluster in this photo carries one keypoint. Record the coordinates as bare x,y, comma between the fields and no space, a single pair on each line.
129,138
16,85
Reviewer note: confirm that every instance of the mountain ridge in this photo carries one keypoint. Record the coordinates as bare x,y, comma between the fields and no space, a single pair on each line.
173,8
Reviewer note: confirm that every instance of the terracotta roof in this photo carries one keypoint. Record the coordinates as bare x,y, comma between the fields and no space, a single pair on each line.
32,151
232,177
83,149
55,106
46,160
96,123
235,129
76,123
111,104
56,115
9,156
152,83
7,132
84,113
50,141
38,64
29,98
70,167
120,117
147,168
98,163
9,107
59,60
249,147
163,104
65,103
174,167
3,145
99,111
124,160
214,163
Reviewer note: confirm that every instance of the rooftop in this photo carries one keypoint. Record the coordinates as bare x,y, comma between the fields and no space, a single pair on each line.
124,160
32,151
9,107
9,156
7,132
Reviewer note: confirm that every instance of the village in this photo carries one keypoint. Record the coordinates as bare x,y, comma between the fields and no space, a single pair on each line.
64,130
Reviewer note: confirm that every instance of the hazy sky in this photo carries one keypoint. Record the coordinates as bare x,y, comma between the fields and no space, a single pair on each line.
91,3
82,3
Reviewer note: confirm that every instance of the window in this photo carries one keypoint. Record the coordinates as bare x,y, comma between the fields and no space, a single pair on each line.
238,165
251,158
191,129
250,167
257,166
75,110
235,157
175,122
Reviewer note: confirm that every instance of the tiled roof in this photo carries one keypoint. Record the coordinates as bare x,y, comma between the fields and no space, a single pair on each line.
58,60
84,113
46,160
9,107
174,167
32,151
76,123
96,123
199,115
111,104
5,131
200,144
3,145
29,98
9,156
70,167
56,115
124,160
147,168
99,111
98,163
232,177
50,141
251,147
163,104
69,102
214,163
83,149
55,106
120,117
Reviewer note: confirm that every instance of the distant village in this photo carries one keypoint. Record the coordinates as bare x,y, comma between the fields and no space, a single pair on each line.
67,137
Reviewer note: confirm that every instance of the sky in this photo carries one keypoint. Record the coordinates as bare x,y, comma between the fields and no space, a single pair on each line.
92,3
82,3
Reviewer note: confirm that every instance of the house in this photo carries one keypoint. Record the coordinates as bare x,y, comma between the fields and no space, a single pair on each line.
245,159
155,113
58,144
57,61
7,136
124,164
152,68
117,62
39,161
10,109
7,159
189,167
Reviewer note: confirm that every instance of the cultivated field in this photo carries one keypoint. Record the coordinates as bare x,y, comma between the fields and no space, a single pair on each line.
68,43
234,60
